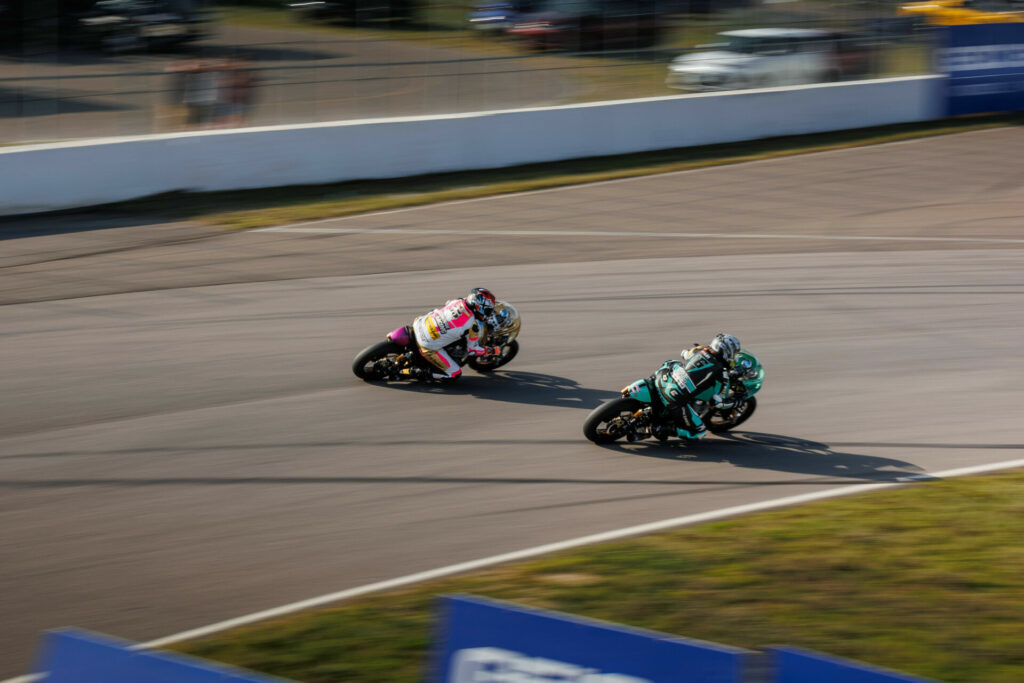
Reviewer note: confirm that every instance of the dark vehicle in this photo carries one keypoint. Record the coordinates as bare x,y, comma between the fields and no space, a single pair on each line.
356,12
40,23
500,15
585,25
136,25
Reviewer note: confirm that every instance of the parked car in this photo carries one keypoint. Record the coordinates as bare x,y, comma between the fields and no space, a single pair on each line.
40,25
765,57
589,24
355,12
135,25
498,16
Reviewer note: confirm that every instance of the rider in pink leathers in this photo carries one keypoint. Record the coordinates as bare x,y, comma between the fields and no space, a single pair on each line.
446,325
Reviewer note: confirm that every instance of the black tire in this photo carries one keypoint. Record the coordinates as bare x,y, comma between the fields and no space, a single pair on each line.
723,425
593,428
508,352
360,366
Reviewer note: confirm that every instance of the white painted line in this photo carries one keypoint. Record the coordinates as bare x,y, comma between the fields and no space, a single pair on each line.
566,545
617,534
565,188
300,228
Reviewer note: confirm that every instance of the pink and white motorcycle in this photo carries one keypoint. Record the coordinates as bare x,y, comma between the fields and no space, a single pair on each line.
398,358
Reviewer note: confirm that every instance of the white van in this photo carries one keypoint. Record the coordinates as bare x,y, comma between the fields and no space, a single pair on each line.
767,57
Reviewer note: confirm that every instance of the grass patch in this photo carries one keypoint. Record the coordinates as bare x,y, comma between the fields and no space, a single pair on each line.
925,580
276,206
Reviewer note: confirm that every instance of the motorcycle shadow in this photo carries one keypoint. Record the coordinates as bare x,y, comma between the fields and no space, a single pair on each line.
758,450
514,386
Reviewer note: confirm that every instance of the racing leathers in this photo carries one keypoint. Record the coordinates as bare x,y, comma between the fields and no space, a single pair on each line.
701,375
444,326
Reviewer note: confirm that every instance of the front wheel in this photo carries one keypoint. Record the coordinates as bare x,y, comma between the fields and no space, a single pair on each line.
719,422
491,363
609,421
369,363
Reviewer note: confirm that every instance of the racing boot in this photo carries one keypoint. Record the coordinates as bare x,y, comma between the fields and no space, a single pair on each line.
661,432
691,427
691,436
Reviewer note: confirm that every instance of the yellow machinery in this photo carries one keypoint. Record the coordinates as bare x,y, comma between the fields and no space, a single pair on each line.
956,13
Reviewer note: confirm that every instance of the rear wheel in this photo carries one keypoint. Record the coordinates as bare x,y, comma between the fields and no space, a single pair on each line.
608,422
491,363
369,363
719,422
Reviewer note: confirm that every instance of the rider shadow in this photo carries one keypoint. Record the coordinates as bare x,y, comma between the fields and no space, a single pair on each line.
757,450
513,386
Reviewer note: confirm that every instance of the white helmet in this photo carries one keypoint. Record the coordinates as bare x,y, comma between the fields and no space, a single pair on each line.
726,346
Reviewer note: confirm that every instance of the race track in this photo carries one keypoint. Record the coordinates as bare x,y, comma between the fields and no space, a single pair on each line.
173,456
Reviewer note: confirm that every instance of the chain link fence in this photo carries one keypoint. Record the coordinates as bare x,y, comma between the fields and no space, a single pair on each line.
273,65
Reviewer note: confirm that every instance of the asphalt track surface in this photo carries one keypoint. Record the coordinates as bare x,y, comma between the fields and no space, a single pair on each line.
195,448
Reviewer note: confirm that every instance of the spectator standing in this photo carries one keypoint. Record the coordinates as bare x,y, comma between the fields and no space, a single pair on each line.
196,88
238,87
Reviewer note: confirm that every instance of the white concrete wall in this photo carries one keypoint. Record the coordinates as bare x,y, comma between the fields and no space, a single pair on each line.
66,175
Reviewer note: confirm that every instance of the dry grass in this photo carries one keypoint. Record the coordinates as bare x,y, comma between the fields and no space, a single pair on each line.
924,579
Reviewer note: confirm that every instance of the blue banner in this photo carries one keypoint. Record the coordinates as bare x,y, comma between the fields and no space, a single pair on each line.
984,64
75,656
484,641
794,665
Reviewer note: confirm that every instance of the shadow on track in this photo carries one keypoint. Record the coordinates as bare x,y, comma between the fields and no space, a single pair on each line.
511,386
761,451
30,102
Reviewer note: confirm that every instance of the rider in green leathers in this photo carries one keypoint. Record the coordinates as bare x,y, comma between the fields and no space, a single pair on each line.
702,375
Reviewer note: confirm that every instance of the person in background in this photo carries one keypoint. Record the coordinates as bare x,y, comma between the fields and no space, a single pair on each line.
238,86
196,88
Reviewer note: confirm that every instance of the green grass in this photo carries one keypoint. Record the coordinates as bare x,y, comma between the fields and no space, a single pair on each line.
925,579
276,206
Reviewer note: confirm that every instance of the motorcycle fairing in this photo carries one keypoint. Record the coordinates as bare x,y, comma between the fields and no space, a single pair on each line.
403,336
639,390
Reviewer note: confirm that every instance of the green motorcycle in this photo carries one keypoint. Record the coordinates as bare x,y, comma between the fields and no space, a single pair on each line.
632,415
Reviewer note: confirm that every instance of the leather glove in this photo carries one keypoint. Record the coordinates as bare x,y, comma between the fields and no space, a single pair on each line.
719,403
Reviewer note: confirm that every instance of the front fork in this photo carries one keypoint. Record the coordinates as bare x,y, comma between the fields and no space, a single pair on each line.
638,426
410,364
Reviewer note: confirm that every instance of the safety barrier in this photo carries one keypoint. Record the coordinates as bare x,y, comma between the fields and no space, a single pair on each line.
75,656
486,641
794,665
74,174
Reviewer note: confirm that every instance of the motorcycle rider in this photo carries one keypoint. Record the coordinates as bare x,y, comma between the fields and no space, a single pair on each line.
703,375
458,318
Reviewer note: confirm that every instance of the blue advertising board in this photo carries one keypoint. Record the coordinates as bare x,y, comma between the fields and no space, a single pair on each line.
76,656
795,665
984,65
485,641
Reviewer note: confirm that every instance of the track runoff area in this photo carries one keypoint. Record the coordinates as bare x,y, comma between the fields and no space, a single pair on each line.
279,456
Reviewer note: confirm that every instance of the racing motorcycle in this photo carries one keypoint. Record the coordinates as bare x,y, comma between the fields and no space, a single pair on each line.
398,357
634,413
